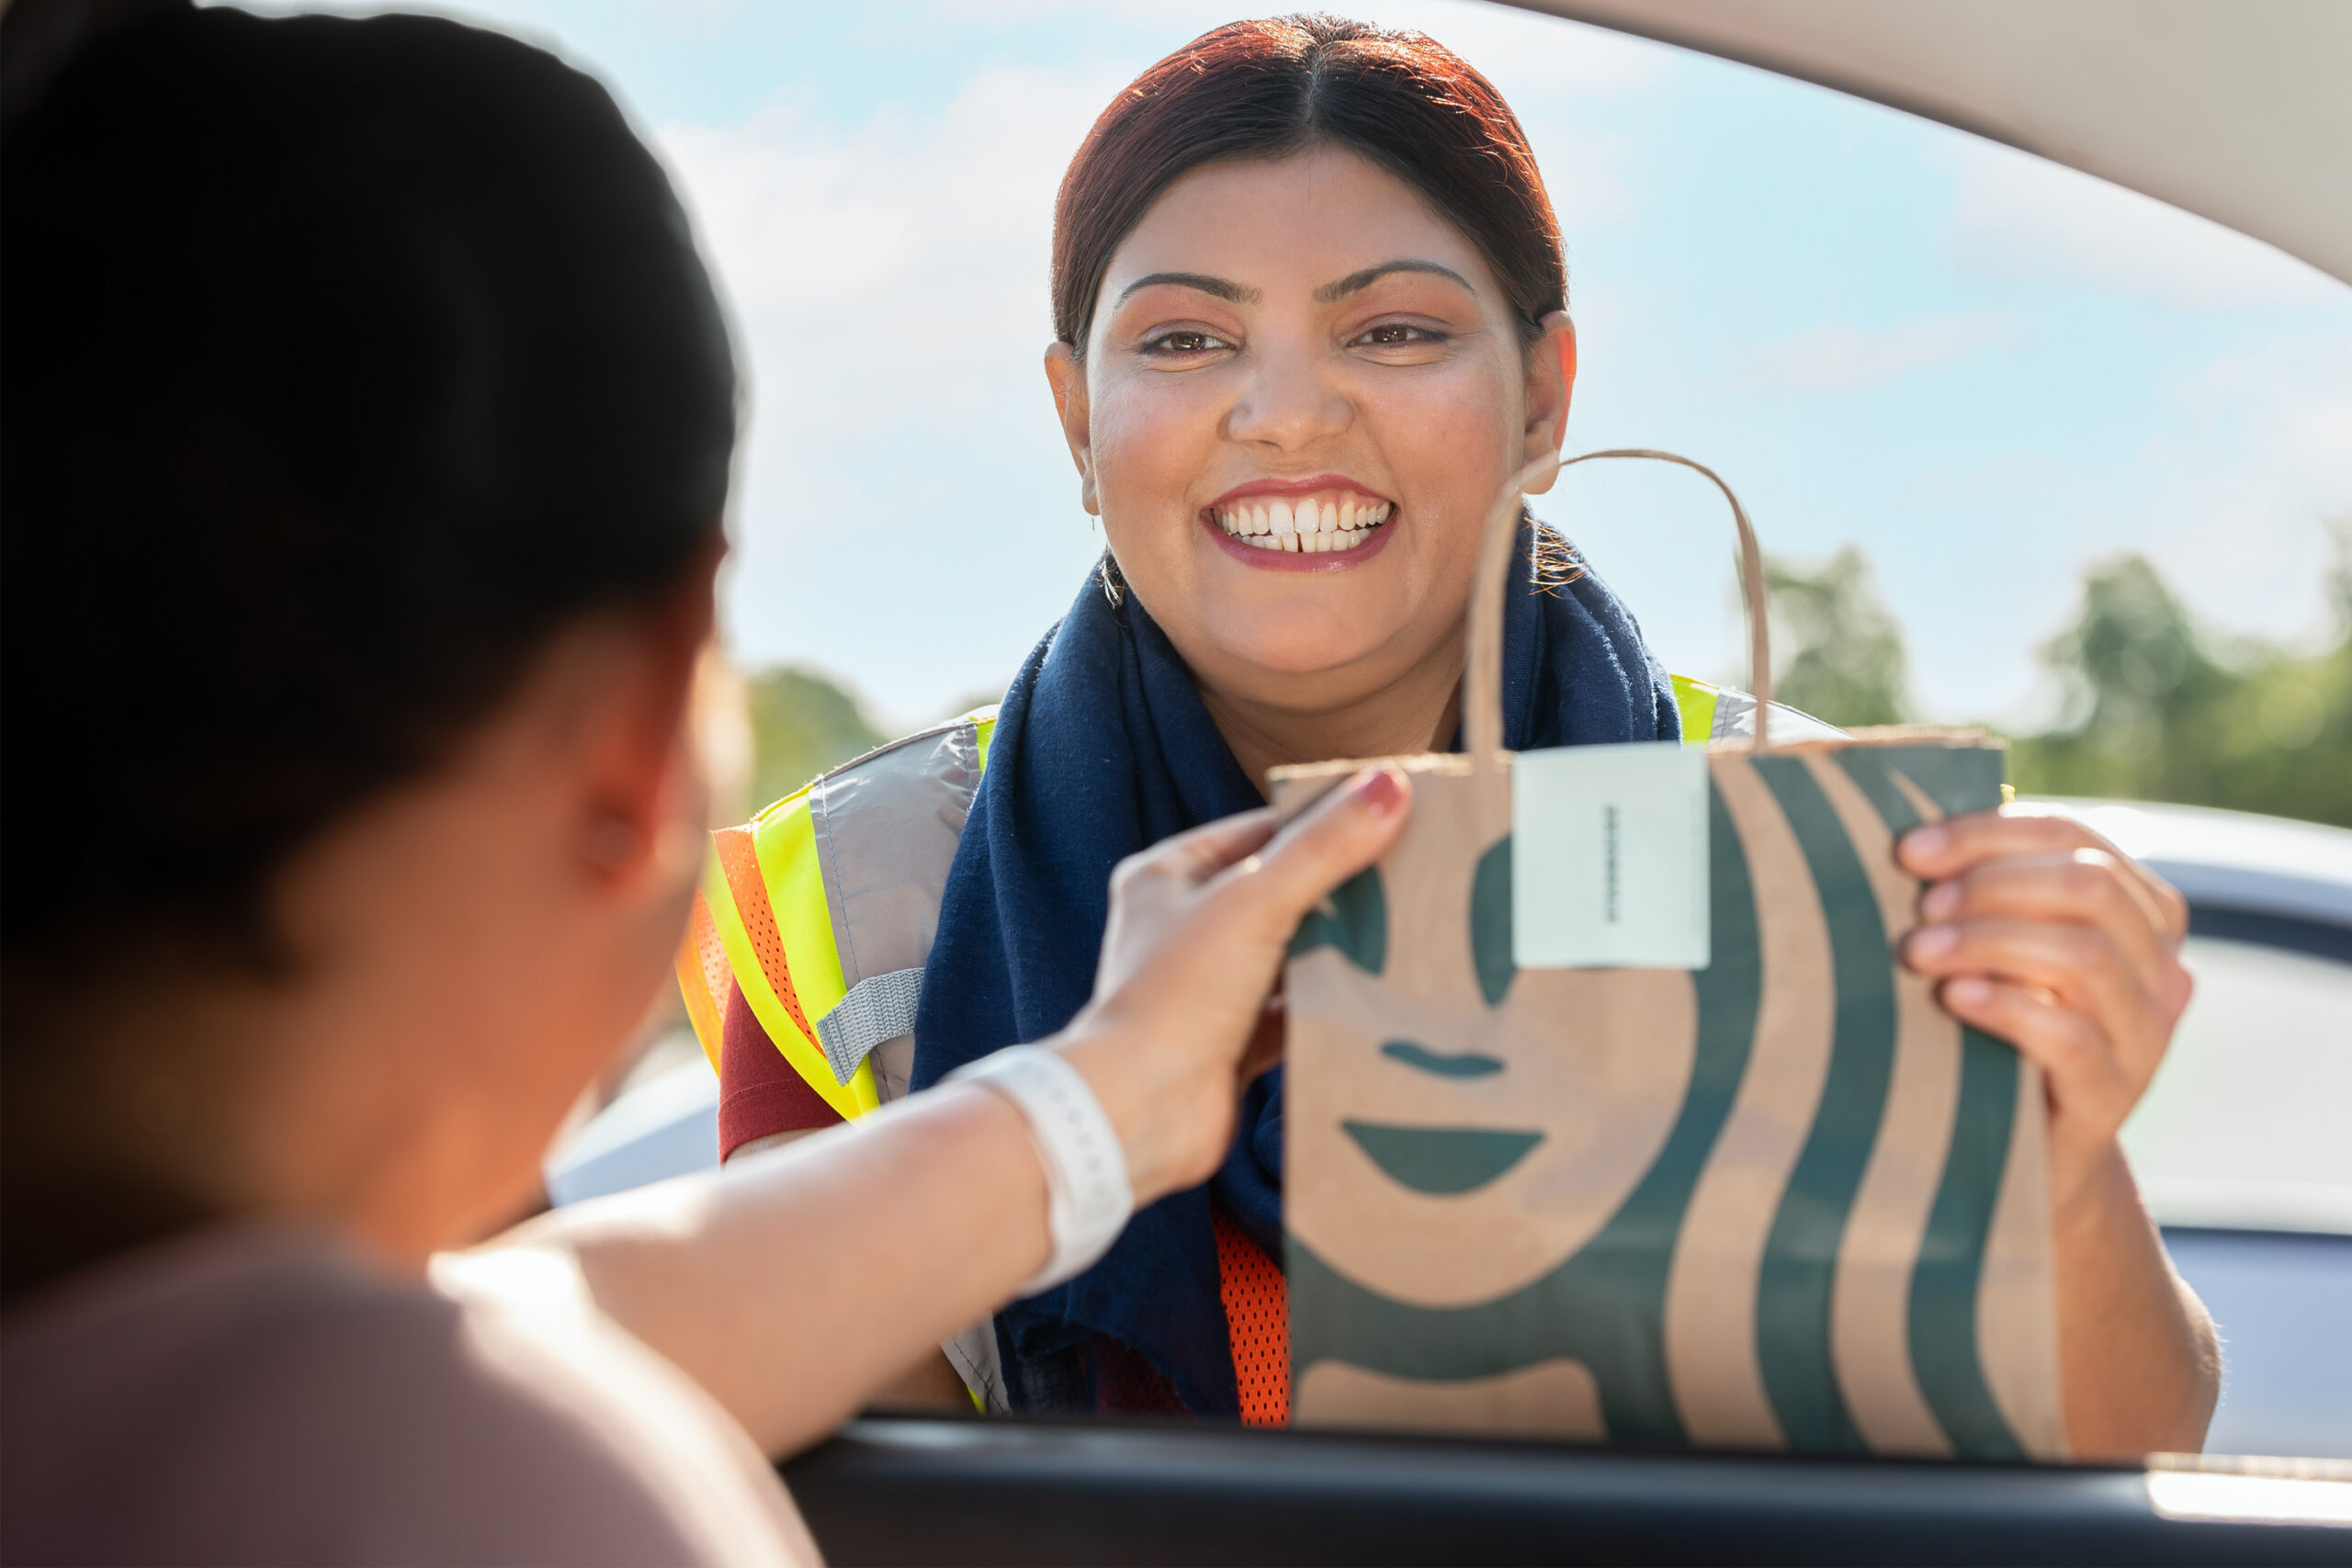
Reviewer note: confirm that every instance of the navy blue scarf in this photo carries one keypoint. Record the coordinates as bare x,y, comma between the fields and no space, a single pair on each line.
1103,748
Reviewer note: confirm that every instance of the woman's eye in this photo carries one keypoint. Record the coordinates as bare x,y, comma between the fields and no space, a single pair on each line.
1389,334
1188,341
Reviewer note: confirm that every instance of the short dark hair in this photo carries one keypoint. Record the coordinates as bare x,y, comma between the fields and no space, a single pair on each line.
343,363
1265,89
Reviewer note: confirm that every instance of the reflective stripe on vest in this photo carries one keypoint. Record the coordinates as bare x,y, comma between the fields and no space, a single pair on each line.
1720,713
824,907
1695,701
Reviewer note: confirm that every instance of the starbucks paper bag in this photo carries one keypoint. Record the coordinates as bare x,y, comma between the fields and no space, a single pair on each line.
1749,1187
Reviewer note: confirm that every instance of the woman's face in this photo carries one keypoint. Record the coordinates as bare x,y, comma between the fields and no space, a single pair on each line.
1301,391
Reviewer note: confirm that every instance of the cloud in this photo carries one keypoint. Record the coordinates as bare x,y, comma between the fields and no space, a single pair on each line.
1842,357
2015,216
905,511
2232,492
2227,486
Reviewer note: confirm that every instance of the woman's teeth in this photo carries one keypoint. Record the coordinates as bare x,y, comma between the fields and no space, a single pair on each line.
1310,525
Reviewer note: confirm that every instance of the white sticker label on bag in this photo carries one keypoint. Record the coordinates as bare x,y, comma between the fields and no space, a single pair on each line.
1608,857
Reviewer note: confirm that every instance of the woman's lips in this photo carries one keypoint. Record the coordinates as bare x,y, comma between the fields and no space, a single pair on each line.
1373,541
1299,524
1311,485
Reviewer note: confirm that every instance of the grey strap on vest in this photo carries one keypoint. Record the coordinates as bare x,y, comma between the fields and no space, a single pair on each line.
878,1007
887,827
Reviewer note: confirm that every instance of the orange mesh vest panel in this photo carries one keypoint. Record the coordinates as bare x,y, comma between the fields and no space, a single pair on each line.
1257,1320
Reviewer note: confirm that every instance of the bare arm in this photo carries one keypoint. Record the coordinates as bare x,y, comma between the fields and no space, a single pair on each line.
2048,936
806,1278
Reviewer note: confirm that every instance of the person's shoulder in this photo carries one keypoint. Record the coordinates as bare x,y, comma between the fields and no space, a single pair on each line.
530,1322
821,913
951,752
901,776
255,1394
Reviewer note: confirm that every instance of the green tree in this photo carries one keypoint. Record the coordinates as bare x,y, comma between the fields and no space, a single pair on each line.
2157,710
803,722
1837,648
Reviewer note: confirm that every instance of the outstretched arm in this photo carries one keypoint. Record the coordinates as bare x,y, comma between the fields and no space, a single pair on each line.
2044,934
805,1279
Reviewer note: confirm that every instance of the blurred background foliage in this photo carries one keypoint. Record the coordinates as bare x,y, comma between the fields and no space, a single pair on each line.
1838,649
2158,711
802,723
2152,706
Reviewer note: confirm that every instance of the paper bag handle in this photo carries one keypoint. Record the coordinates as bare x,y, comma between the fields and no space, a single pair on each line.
1482,695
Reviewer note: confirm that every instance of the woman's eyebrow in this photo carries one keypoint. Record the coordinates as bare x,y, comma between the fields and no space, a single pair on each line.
1222,288
1331,292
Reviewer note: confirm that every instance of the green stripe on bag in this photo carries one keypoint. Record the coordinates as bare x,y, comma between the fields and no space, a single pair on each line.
1951,1255
1799,1265
1944,1281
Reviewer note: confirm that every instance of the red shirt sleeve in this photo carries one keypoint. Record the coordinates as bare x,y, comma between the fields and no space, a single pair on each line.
758,1092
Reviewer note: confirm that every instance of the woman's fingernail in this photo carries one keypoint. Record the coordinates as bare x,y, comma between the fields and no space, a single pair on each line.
1968,992
1941,900
1382,790
1931,942
1925,841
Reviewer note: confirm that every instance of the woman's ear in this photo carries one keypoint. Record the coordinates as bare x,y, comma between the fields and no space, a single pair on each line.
1551,384
1067,376
637,758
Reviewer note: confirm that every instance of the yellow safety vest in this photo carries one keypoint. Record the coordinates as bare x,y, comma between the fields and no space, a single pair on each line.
824,907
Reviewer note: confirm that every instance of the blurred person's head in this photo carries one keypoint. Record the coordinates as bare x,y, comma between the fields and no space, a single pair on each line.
1310,306
368,423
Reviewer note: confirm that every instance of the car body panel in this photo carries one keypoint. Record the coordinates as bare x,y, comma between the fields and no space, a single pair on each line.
2237,112
903,1490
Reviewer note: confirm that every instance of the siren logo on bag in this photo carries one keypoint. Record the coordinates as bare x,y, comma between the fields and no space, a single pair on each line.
1751,1190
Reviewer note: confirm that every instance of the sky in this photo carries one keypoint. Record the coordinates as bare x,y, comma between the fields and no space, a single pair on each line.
1987,371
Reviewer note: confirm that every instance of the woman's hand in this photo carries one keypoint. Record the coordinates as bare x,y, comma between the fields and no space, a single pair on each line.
1199,927
905,1226
2047,936
2044,934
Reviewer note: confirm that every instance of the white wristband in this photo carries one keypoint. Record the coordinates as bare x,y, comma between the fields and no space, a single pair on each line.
1087,1200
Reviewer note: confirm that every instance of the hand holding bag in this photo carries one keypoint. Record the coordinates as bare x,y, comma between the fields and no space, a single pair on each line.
1760,1192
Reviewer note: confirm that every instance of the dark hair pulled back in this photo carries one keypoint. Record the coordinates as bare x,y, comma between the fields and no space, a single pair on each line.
346,364
1266,89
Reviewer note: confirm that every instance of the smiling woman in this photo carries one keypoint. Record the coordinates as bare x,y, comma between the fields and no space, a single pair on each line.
1309,307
